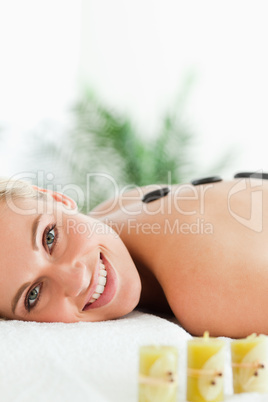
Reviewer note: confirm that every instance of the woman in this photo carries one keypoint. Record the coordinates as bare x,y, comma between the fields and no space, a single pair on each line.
197,251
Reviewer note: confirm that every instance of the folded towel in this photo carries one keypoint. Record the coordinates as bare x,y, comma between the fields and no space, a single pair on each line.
88,361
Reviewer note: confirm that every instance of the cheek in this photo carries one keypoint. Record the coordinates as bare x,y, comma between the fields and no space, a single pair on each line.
84,229
124,264
58,310
129,290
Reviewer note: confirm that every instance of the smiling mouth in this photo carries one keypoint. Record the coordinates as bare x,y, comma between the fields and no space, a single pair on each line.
100,285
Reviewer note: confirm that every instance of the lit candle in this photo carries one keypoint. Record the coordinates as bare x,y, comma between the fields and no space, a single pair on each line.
205,362
250,364
158,374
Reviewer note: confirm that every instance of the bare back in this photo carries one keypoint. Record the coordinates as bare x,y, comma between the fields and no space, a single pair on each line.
206,246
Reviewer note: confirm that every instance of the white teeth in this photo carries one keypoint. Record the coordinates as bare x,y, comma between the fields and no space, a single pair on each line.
99,289
101,283
102,280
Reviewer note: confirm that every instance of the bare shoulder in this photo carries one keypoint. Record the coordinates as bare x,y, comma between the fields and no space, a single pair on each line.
123,199
186,199
210,278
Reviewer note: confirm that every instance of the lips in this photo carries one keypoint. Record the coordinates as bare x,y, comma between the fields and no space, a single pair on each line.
100,295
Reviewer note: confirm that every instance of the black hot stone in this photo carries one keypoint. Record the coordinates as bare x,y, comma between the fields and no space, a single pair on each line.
155,195
253,175
205,180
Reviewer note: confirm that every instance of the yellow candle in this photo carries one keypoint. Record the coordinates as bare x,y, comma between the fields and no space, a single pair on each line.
250,364
158,374
205,362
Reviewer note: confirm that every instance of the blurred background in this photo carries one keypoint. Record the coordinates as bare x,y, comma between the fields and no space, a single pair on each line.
131,92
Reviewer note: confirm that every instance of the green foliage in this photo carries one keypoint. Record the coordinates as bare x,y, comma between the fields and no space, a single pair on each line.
106,145
105,141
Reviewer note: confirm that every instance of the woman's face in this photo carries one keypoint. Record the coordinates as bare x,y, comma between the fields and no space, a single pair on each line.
57,265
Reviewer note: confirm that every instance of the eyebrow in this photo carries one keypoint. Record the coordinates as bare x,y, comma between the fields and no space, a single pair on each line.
18,295
34,231
35,247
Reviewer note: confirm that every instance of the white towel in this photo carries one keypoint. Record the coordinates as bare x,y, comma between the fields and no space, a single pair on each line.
95,362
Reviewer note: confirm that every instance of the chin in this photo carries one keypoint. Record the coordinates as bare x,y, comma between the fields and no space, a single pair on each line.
127,302
131,302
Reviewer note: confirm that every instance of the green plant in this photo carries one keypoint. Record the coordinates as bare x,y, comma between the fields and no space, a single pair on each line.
105,144
103,141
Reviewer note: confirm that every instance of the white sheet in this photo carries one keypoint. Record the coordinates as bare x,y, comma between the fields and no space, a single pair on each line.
88,361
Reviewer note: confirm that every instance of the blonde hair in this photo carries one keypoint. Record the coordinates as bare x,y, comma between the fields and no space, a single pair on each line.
11,188
15,189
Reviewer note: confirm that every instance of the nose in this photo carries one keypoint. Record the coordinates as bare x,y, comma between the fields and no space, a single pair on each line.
73,279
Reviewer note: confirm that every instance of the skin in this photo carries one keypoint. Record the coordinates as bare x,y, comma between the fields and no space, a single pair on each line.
198,253
215,278
64,271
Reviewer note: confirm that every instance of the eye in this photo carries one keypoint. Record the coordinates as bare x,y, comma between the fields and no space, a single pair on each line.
32,297
50,238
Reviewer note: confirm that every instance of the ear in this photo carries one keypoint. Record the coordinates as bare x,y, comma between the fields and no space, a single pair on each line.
64,199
